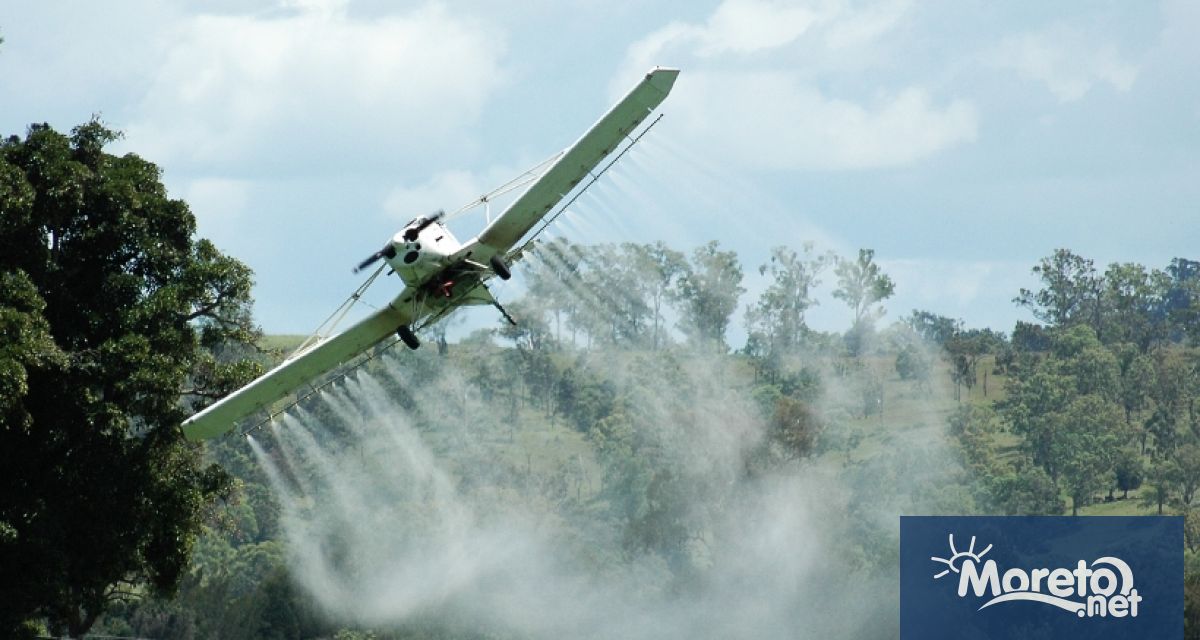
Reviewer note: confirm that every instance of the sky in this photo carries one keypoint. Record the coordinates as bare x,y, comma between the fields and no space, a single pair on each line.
960,140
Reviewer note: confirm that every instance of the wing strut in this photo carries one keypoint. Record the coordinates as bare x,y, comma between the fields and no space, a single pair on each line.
529,175
338,314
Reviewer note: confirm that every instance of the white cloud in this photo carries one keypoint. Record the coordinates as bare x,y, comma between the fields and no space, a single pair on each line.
772,120
310,88
1066,60
736,26
746,26
449,190
867,24
773,111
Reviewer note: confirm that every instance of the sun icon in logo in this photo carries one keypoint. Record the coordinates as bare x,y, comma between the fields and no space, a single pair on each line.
958,557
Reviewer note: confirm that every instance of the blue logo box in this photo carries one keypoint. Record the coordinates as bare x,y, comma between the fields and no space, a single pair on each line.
1031,577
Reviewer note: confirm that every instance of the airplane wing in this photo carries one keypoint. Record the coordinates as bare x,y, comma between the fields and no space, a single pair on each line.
298,369
575,163
499,237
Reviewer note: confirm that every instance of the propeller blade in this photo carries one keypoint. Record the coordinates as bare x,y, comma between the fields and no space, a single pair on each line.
369,261
419,225
387,252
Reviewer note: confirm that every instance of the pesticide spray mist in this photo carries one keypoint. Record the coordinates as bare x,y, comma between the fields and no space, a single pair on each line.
645,497
410,495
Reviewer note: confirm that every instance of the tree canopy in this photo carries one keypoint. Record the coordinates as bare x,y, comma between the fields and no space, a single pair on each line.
110,309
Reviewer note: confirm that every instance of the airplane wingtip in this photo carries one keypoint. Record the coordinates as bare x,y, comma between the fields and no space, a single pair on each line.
663,78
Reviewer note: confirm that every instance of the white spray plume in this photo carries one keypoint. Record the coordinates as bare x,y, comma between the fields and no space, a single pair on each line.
405,498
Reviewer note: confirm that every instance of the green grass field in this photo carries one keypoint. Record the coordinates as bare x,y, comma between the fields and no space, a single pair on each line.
282,343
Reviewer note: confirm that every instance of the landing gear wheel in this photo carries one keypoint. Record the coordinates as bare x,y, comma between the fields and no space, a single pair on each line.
499,267
409,338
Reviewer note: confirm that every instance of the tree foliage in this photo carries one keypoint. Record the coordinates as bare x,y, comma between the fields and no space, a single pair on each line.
935,329
776,323
1070,294
709,291
861,284
110,310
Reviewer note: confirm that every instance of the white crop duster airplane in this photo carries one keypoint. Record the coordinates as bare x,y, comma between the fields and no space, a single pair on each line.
439,273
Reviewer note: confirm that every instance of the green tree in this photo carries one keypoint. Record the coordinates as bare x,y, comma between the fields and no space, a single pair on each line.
1035,400
933,327
1086,448
793,429
1181,301
1162,426
100,489
1191,530
1129,470
1003,485
27,346
1030,337
554,278
708,292
1070,294
1187,473
1159,476
1136,382
1065,408
1079,355
531,330
1026,490
777,319
862,284
1131,299
1173,394
911,364
616,299
659,267
1191,607
964,349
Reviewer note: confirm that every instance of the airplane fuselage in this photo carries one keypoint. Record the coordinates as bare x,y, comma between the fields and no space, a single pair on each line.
422,254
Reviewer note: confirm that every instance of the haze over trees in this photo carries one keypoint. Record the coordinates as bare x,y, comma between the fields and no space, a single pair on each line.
616,412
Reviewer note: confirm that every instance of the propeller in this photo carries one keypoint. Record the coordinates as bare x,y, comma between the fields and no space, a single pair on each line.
417,226
388,252
411,232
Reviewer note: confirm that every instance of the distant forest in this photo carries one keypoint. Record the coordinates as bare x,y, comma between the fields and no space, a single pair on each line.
615,414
